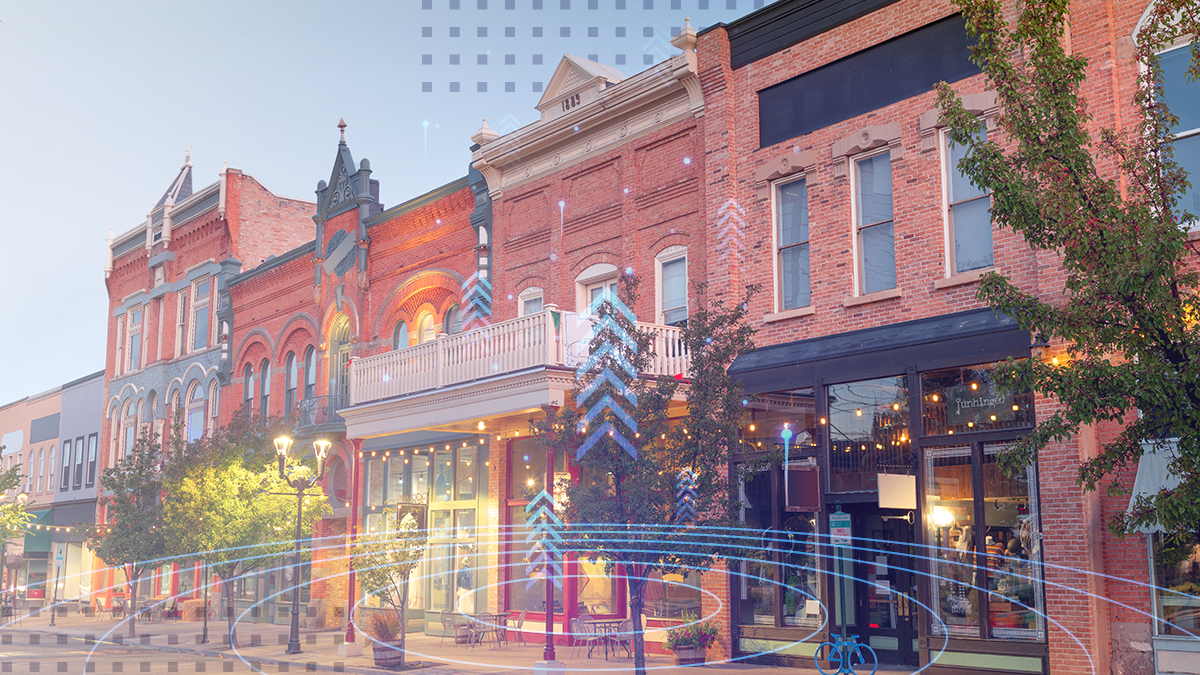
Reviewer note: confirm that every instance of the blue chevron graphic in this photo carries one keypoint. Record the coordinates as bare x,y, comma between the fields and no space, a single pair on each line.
610,323
685,496
598,433
545,524
594,308
610,350
606,375
606,402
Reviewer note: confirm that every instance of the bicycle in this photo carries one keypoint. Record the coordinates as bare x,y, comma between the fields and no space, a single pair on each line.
857,655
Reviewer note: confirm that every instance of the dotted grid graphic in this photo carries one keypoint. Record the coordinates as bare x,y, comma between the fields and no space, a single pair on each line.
512,46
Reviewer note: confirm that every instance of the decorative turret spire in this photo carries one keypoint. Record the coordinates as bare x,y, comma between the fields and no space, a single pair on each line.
686,39
342,127
485,134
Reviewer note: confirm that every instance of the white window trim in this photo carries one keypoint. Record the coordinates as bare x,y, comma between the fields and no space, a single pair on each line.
423,317
197,305
777,303
859,271
529,294
594,275
1182,43
181,322
669,254
141,331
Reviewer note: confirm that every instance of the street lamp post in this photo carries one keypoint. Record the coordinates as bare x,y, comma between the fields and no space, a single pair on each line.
299,484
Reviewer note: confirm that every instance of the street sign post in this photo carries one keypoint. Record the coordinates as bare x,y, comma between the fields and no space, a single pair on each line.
840,535
60,558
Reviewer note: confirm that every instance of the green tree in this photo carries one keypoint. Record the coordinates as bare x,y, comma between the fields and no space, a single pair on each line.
14,518
227,504
624,509
1108,206
133,537
383,563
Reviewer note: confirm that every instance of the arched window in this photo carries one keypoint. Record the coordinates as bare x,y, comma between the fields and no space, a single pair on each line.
425,328
265,400
248,387
400,336
453,320
310,373
195,413
289,385
129,430
339,360
41,469
213,409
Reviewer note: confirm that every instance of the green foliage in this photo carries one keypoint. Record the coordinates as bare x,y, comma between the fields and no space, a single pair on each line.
383,563
14,518
133,538
1106,209
221,507
692,634
622,510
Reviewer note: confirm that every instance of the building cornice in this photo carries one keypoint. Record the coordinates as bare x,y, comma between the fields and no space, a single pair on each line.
646,102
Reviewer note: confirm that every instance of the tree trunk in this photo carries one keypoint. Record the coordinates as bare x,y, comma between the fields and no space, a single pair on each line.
637,595
227,586
131,577
403,619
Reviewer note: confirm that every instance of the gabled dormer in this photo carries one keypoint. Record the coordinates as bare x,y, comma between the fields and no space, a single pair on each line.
348,186
575,82
344,247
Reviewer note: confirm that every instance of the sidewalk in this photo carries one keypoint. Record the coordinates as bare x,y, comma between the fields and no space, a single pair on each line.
263,644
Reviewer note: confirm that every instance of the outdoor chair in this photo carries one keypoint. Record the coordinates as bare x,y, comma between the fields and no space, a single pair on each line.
117,607
483,628
584,635
623,637
519,626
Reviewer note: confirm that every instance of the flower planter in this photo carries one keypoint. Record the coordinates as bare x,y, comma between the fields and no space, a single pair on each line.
387,654
689,655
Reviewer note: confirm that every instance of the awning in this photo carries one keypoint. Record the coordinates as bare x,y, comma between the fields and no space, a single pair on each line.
1153,476
38,540
925,343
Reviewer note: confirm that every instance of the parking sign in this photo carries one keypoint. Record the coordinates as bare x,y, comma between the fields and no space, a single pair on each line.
839,528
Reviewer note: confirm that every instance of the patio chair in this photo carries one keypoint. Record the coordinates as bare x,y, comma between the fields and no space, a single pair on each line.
483,628
117,607
519,626
623,637
453,627
584,635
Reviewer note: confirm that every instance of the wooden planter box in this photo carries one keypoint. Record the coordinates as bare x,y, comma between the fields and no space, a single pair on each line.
385,656
687,655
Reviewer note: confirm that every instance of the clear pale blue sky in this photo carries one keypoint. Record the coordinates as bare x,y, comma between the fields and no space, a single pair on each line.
100,101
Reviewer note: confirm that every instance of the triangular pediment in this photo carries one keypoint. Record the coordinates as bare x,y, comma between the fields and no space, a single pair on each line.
575,74
180,188
342,188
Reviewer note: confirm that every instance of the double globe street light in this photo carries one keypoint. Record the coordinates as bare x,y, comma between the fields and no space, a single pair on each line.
321,448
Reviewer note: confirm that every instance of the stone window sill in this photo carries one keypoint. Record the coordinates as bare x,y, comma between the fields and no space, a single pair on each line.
789,314
877,296
962,279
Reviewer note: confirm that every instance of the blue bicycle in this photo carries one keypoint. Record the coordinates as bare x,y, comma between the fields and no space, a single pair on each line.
859,657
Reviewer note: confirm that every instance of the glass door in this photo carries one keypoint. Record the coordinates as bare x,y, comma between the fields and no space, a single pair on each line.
886,567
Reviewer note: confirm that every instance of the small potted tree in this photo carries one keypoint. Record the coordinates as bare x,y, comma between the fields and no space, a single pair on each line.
691,641
384,562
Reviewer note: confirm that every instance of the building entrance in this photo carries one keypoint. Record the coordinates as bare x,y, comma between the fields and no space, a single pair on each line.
879,599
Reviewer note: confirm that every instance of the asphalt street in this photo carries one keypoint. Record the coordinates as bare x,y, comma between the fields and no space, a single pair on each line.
33,653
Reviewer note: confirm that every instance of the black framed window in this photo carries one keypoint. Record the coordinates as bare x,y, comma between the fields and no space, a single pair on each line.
91,476
66,467
264,404
80,448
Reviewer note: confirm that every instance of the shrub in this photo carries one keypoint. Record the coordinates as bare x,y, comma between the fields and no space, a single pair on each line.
692,634
384,626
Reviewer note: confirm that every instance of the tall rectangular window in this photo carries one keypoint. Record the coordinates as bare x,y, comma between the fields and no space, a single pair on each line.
135,339
873,227
674,291
79,450
968,212
120,365
91,476
181,321
1183,98
200,293
1177,575
792,244
66,468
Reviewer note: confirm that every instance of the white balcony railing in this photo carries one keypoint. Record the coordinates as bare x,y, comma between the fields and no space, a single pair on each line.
548,338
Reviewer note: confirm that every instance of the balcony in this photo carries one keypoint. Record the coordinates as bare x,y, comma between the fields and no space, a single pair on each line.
548,339
320,411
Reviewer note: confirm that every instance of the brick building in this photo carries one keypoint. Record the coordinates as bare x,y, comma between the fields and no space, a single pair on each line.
165,279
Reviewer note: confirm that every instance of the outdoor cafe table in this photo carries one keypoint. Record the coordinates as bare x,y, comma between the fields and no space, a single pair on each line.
601,629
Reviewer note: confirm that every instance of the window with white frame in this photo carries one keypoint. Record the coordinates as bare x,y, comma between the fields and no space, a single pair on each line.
596,281
213,407
66,467
873,227
1182,97
181,321
80,450
791,244
529,301
670,266
400,335
93,441
264,400
130,432
290,375
454,320
248,387
120,365
50,469
195,413
968,212
135,339
200,295
310,373
425,329
41,469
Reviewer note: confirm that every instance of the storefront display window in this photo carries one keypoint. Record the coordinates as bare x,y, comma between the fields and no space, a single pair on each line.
869,433
519,572
376,470
757,595
963,400
465,486
443,476
596,593
527,468
770,412
799,571
670,596
950,523
1016,604
1177,575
